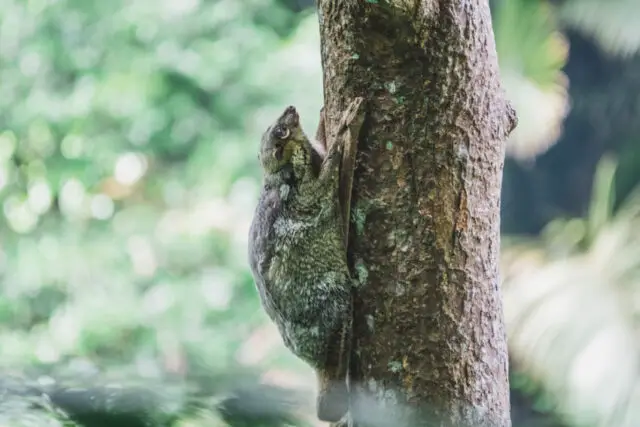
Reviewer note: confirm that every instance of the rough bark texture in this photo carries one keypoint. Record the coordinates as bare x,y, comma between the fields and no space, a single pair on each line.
429,327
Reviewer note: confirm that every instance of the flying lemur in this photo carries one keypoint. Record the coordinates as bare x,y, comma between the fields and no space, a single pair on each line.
297,247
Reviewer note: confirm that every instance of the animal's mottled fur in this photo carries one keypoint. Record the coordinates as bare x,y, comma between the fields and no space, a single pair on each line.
298,256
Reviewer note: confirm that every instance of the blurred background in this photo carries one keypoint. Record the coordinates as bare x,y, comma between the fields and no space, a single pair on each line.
129,175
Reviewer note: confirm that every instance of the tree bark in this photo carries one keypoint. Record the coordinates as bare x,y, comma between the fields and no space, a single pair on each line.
429,342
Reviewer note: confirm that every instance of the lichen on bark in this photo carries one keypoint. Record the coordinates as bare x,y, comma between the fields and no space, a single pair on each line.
429,329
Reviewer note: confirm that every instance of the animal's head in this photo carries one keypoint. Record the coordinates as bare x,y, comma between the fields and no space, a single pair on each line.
282,141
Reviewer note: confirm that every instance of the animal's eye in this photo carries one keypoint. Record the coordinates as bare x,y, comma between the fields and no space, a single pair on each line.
281,132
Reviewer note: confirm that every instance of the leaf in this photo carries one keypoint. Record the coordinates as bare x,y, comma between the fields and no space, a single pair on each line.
613,23
572,317
532,53
602,200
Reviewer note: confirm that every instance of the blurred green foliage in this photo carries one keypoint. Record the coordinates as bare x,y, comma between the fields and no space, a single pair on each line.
128,135
128,172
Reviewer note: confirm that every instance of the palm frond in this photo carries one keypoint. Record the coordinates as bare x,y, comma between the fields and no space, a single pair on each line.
613,23
532,53
572,312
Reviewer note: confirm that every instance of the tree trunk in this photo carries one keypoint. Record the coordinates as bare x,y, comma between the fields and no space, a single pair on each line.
429,332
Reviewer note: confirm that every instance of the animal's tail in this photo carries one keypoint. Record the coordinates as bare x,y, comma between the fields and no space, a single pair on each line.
333,391
333,401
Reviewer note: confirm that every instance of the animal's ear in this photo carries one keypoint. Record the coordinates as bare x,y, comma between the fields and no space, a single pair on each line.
279,152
